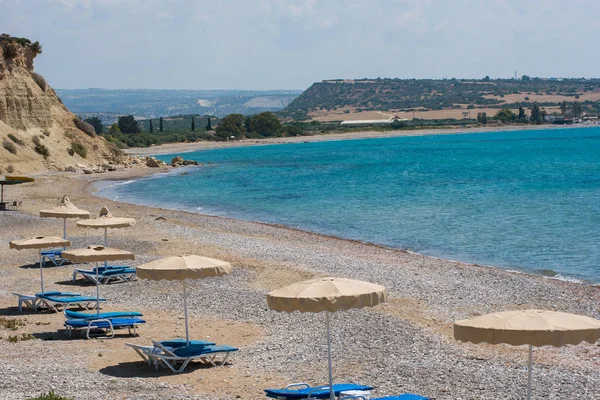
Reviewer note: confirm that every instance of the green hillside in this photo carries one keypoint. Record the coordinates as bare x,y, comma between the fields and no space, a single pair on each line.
435,94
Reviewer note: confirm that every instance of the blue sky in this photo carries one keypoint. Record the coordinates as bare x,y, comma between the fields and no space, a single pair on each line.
277,44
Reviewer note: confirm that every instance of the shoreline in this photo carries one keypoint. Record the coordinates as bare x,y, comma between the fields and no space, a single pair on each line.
94,187
173,148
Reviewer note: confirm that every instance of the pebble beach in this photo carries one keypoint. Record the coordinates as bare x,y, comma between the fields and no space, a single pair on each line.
405,345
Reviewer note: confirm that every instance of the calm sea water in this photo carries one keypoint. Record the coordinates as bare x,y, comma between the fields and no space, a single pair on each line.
524,200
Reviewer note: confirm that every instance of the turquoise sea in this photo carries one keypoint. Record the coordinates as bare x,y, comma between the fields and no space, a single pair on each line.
522,200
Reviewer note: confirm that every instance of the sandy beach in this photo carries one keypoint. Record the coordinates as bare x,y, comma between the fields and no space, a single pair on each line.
405,345
170,148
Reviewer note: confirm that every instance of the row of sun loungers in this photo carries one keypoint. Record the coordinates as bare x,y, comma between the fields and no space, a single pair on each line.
177,354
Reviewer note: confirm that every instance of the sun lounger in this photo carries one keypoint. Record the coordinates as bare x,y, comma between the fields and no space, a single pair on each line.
56,301
405,396
105,325
171,344
305,391
106,274
27,300
110,314
53,255
177,359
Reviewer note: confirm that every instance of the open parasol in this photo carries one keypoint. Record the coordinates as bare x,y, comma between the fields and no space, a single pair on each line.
329,295
180,268
97,254
39,243
530,327
64,210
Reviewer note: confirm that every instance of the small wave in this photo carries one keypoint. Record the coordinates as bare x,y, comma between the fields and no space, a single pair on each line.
560,277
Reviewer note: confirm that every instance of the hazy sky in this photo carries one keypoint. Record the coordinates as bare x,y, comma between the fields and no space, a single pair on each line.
277,44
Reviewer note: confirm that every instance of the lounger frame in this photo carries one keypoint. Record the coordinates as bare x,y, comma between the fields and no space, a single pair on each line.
168,359
111,328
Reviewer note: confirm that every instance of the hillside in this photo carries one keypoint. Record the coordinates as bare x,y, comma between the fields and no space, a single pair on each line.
154,103
37,131
368,95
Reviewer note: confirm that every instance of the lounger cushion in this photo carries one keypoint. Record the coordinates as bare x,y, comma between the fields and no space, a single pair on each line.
321,392
55,293
70,299
197,350
405,396
116,323
176,343
117,271
111,314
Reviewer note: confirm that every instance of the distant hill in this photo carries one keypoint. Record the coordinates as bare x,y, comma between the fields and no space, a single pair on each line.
431,94
149,103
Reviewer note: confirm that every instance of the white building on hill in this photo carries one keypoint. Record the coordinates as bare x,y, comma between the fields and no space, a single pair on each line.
359,122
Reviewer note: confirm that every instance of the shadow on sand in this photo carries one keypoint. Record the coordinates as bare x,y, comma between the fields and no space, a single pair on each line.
139,369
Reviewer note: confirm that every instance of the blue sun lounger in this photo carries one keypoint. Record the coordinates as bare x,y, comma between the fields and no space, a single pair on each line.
177,359
305,391
171,343
106,274
405,396
103,315
53,255
55,300
105,325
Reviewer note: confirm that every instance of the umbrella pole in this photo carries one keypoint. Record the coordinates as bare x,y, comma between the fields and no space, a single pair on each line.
65,228
41,271
97,293
185,313
331,391
529,365
105,245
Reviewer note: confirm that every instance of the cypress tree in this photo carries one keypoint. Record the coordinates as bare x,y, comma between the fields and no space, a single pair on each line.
151,127
208,125
193,124
160,124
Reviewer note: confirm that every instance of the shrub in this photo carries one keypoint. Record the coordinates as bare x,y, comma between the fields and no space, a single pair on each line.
11,50
39,79
11,324
49,396
10,169
84,126
46,132
16,139
40,148
9,146
79,149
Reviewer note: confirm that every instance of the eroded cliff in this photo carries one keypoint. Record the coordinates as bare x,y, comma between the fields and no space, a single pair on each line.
37,132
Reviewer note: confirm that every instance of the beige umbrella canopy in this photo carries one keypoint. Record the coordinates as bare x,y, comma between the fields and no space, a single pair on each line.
531,327
106,220
183,267
64,209
180,268
97,254
39,242
330,295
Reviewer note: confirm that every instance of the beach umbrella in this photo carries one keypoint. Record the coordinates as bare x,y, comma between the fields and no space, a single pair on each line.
105,221
64,210
39,243
529,327
180,268
329,295
97,254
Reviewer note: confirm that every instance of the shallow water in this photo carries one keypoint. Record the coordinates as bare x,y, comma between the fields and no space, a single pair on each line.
524,200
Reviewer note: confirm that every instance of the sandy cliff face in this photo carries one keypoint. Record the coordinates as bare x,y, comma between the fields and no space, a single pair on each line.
33,118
